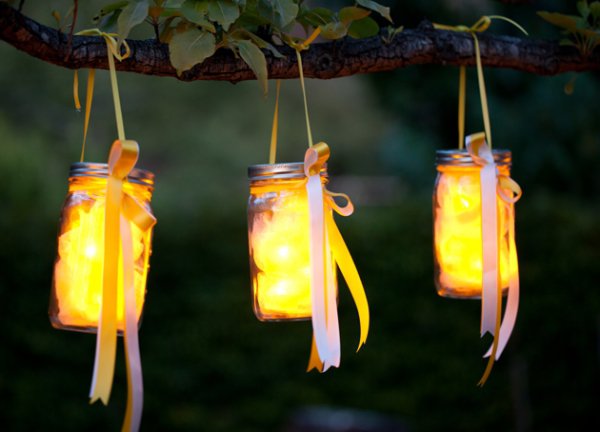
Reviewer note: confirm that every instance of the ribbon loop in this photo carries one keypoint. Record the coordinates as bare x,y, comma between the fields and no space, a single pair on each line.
345,210
506,183
122,158
314,159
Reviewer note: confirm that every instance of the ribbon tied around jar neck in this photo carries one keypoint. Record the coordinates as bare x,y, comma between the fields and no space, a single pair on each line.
493,185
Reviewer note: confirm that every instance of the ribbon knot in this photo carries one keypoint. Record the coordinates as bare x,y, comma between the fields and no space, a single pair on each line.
112,43
482,155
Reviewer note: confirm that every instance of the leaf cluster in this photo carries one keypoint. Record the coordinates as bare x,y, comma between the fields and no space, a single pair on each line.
583,31
196,29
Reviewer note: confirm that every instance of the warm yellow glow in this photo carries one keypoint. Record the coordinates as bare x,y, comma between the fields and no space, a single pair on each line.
279,239
458,247
279,244
79,265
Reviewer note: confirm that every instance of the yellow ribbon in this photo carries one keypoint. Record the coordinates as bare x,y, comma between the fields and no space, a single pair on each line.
341,254
122,159
479,27
121,209
113,48
298,46
273,147
504,183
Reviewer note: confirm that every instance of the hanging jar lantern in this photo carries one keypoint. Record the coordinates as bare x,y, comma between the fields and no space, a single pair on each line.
475,255
295,246
76,296
279,241
457,225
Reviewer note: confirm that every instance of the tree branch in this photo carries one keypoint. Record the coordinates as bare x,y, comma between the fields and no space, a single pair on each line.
345,57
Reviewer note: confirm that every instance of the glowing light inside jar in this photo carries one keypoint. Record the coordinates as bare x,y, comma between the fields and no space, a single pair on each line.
458,246
78,271
279,241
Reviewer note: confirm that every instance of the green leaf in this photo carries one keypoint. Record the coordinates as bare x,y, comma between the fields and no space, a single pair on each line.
113,7
133,14
108,23
363,28
352,13
567,22
263,44
317,16
254,58
195,11
334,30
225,12
279,13
190,47
376,7
583,8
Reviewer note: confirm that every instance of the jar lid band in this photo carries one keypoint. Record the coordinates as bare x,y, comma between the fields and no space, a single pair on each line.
457,157
280,171
100,170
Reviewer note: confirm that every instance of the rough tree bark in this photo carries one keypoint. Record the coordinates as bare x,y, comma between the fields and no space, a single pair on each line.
345,57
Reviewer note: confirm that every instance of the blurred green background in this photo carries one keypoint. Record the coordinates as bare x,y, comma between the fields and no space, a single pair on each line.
208,363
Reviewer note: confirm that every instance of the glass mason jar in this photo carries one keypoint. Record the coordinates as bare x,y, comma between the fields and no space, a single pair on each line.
457,225
279,241
76,296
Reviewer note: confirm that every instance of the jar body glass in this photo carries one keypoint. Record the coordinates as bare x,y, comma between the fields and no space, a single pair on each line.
457,231
77,284
279,247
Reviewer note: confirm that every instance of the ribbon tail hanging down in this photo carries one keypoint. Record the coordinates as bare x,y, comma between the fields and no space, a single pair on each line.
314,362
318,281
346,264
132,212
333,327
482,155
106,340
122,158
491,296
135,387
512,301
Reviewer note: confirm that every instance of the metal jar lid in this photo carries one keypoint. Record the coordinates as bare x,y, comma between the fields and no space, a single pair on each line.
100,170
280,171
462,158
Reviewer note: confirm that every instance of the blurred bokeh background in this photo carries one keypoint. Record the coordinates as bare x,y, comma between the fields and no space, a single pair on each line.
208,363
